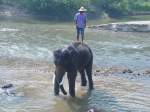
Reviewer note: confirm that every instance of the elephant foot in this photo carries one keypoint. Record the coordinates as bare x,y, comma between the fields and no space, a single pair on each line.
72,94
83,84
91,87
56,92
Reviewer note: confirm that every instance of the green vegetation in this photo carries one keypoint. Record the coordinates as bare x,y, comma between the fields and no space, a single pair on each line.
65,9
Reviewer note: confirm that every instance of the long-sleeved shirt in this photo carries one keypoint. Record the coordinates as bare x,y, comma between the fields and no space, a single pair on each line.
80,20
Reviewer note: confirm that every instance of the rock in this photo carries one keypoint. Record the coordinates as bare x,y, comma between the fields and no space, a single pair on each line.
147,72
105,71
97,70
127,71
95,110
7,86
144,72
138,74
8,89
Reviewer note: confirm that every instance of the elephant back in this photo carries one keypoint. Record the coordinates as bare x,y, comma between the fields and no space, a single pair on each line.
85,55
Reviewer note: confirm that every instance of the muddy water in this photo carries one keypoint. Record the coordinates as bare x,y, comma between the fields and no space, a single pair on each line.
26,62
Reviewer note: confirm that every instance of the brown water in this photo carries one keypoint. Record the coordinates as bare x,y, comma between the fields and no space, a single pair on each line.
26,61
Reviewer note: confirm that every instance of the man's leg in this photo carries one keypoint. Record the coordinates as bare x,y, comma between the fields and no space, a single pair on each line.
78,31
82,34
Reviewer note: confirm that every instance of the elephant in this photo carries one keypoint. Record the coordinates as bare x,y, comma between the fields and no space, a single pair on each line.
75,57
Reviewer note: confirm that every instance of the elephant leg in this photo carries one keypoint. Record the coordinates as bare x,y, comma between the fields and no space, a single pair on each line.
83,78
57,82
56,87
71,80
89,75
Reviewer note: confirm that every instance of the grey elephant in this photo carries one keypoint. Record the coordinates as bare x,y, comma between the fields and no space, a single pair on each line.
76,57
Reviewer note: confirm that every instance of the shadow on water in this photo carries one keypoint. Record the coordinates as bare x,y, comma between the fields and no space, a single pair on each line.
96,101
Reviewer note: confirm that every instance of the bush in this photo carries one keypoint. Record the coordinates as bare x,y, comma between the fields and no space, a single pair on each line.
116,8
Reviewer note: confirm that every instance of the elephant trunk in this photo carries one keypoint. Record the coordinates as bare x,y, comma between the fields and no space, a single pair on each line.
56,86
63,90
58,83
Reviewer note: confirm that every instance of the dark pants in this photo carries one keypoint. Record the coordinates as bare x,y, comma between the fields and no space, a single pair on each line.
80,31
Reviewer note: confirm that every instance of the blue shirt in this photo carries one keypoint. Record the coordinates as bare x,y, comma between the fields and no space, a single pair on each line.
80,20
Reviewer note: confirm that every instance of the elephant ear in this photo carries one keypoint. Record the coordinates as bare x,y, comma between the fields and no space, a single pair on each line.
65,54
67,58
57,56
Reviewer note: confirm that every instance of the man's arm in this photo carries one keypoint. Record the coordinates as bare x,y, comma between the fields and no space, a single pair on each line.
75,19
85,21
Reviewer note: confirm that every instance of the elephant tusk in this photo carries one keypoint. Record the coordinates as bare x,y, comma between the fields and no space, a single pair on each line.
61,83
53,79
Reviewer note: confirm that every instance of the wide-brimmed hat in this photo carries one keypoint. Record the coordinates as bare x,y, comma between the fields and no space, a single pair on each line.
82,9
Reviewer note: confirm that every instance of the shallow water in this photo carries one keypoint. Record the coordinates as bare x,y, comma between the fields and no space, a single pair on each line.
37,40
26,52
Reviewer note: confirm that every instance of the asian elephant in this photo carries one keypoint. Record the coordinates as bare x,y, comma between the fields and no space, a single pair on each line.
76,57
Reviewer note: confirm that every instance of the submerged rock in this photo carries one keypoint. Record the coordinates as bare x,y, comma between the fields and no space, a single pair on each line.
8,89
127,71
147,72
95,110
142,72
111,70
7,86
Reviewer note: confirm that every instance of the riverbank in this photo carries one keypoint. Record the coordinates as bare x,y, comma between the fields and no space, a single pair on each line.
9,11
131,26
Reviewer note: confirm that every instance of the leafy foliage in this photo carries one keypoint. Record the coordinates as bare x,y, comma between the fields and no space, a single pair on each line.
65,9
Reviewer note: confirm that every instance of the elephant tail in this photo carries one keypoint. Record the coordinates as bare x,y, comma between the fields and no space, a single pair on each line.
63,90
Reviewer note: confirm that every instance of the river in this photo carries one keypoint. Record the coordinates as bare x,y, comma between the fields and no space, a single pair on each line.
26,58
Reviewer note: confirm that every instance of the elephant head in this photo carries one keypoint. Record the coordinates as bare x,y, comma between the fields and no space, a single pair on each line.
61,57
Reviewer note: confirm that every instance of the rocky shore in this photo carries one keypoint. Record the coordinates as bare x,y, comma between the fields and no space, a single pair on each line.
133,26
120,70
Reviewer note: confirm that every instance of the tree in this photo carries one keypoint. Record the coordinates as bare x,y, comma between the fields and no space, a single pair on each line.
65,9
115,8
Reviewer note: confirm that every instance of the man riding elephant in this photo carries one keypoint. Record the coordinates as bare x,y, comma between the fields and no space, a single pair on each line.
76,57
